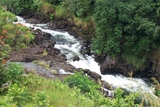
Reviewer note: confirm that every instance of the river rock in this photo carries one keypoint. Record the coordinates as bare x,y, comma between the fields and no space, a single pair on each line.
48,44
63,57
76,58
86,71
95,75
106,85
86,51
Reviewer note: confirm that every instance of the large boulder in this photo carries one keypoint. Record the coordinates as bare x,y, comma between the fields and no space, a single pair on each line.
95,75
100,58
109,66
41,36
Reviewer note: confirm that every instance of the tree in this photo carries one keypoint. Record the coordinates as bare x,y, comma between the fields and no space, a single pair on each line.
20,6
80,8
127,27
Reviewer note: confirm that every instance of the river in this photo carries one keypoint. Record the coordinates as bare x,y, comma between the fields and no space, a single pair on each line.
70,46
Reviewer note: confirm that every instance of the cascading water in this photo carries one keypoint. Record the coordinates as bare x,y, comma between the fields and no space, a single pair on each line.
71,47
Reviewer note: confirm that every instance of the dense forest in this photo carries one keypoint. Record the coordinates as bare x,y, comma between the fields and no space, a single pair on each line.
122,29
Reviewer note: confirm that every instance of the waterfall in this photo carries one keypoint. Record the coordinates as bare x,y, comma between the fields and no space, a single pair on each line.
70,46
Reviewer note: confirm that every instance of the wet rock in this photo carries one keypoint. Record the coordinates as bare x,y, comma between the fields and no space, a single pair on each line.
53,51
100,58
106,85
48,44
86,51
89,72
109,66
63,57
95,75
76,58
86,71
107,93
69,68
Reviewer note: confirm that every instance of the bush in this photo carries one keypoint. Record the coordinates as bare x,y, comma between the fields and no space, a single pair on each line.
82,82
13,71
19,95
19,36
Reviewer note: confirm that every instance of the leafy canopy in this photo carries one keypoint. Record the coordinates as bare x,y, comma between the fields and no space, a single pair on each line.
127,27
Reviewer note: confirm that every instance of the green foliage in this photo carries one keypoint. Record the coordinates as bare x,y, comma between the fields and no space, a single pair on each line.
157,92
126,27
4,52
6,17
20,6
11,35
19,95
81,81
41,99
13,71
127,101
80,8
18,35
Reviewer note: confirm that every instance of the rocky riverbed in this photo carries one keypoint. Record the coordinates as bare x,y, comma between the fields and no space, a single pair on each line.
43,58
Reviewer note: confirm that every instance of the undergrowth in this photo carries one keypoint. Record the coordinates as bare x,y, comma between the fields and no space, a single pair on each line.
31,90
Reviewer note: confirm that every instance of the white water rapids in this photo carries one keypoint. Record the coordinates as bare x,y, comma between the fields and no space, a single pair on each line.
71,47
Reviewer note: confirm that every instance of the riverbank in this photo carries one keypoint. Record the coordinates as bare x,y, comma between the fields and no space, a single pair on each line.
43,50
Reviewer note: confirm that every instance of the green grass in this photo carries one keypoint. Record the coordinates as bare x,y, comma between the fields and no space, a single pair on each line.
59,94
55,93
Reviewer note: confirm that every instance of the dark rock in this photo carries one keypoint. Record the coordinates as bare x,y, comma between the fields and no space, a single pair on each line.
41,36
75,58
86,43
57,51
29,59
89,72
69,68
86,71
109,66
106,85
63,57
86,51
36,18
100,58
48,44
95,75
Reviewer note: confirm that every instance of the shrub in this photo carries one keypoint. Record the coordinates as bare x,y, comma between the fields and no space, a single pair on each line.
81,81
19,36
13,71
20,95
